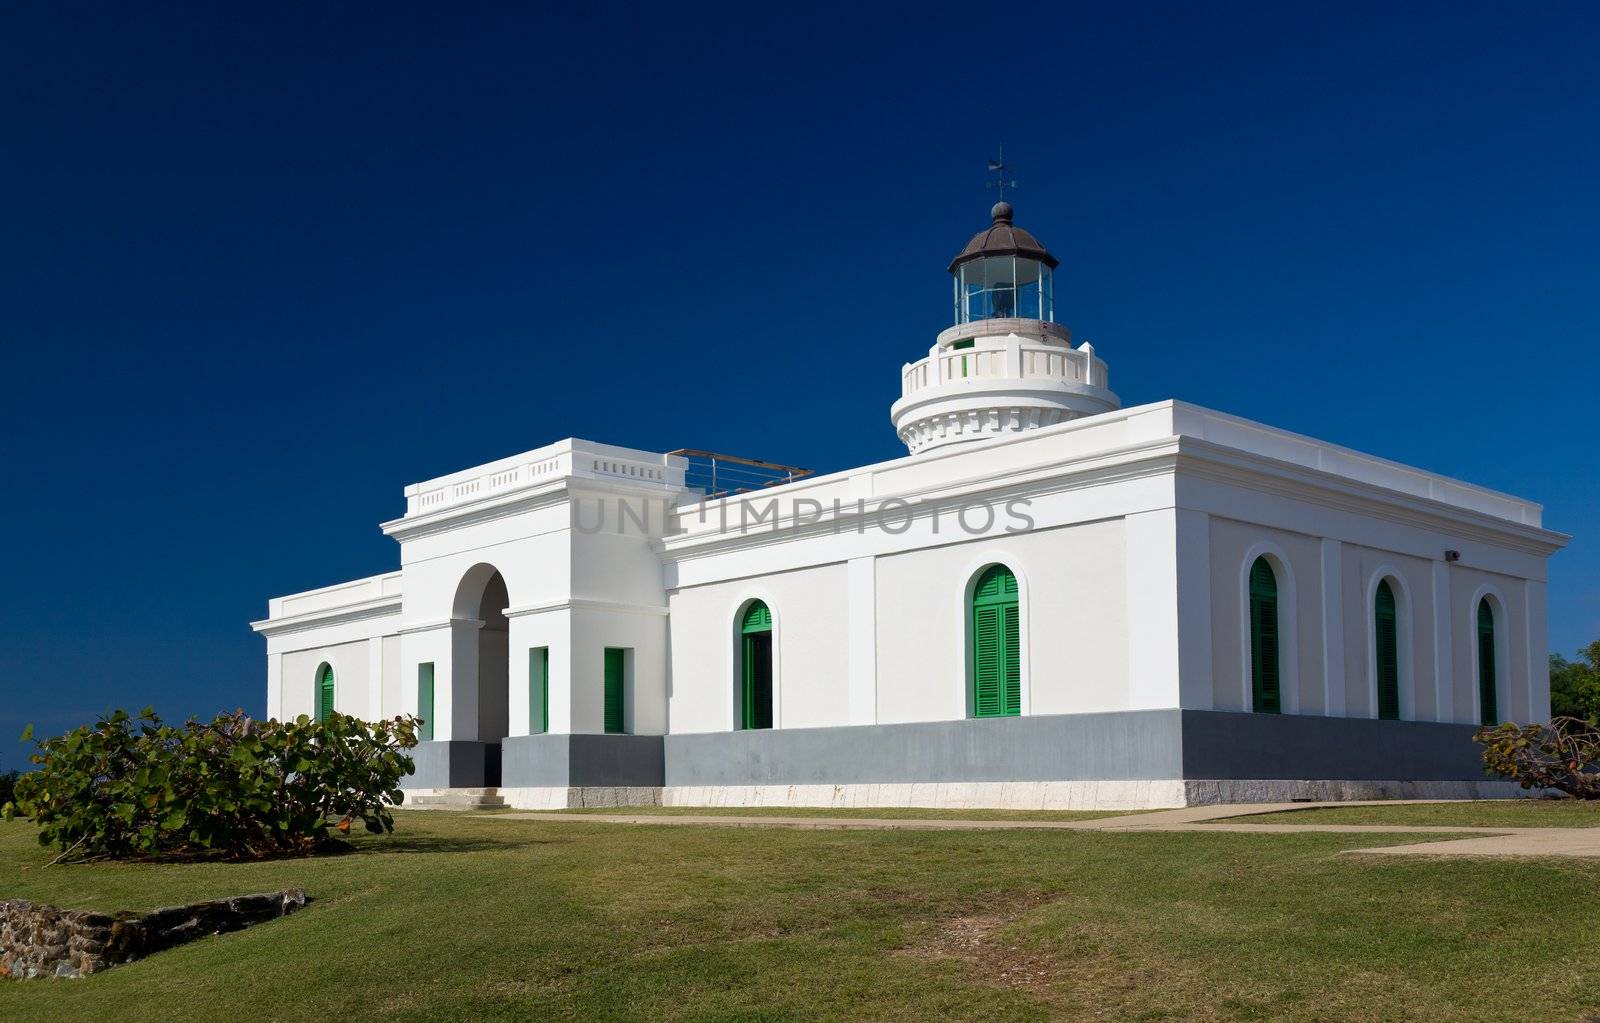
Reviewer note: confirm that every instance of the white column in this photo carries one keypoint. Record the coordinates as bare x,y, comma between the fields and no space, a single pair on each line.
1532,702
458,711
275,686
375,678
1196,630
1333,664
1444,689
1168,656
862,606
517,676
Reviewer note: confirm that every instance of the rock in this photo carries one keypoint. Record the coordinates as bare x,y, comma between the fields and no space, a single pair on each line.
38,940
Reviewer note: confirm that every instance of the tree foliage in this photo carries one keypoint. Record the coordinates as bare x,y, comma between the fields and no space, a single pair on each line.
1564,755
1575,685
8,783
234,787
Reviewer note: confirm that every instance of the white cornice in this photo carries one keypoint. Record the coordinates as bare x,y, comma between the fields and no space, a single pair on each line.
442,623
1332,490
380,607
585,604
498,506
1156,458
504,505
1164,456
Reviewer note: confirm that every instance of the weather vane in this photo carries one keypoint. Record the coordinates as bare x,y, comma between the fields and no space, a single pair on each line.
997,166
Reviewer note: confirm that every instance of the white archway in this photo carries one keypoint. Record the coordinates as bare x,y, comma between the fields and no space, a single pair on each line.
1288,626
481,656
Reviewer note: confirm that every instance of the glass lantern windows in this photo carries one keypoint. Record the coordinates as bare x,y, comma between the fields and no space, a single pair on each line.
1003,286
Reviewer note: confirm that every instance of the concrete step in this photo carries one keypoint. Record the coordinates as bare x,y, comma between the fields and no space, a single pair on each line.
458,799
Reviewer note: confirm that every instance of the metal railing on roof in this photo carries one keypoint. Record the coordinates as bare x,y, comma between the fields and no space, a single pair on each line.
720,475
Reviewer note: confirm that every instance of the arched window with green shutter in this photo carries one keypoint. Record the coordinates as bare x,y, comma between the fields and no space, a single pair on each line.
324,692
1266,694
755,666
996,645
1386,638
1488,701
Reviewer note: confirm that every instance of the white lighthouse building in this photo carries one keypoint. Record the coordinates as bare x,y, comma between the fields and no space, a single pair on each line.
1051,601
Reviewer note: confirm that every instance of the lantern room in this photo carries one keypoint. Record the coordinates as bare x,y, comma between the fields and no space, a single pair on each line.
1004,272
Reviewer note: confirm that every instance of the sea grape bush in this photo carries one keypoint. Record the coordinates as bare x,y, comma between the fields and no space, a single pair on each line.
234,787
1564,755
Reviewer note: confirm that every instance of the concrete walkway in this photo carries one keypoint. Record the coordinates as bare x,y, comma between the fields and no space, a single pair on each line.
1580,842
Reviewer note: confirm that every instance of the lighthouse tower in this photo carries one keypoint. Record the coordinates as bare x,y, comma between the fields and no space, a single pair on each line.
1006,365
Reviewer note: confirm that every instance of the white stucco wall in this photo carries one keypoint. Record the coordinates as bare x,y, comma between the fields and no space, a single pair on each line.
1296,563
1132,584
810,650
352,674
1328,652
1073,623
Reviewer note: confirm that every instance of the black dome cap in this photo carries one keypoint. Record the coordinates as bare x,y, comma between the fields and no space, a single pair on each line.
1002,238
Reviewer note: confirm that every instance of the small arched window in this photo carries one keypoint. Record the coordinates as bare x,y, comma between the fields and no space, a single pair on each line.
324,692
755,645
1265,672
1386,639
1488,700
996,645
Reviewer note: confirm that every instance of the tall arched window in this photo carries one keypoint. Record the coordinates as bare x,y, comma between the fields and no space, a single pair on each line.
1386,638
324,692
1266,696
1488,701
755,645
996,645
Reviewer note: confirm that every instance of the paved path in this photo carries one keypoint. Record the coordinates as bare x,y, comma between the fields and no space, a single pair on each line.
1581,842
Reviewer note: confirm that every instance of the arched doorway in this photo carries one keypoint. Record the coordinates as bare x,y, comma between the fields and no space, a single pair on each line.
1386,650
994,609
755,675
482,684
1265,683
1488,697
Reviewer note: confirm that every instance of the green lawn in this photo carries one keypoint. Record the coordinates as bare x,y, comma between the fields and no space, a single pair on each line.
1492,813
467,918
877,813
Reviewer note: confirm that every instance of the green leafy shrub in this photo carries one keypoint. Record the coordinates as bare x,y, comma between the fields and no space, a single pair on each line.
8,784
1564,755
233,787
1575,685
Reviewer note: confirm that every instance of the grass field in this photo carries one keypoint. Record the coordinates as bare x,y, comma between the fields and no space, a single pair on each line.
878,813
466,918
1497,813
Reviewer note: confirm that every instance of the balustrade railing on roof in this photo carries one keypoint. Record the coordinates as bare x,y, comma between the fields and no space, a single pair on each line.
719,475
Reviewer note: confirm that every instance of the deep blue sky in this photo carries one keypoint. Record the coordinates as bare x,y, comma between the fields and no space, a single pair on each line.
260,270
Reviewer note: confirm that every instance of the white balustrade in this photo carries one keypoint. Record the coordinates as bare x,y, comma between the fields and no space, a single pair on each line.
1010,358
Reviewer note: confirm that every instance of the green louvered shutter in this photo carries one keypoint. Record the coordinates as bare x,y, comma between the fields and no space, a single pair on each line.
538,690
1011,661
325,692
758,618
615,667
756,667
986,666
1264,651
996,645
1387,635
425,701
1488,703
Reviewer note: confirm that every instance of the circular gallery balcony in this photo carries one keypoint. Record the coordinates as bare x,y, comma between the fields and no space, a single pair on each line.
995,377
